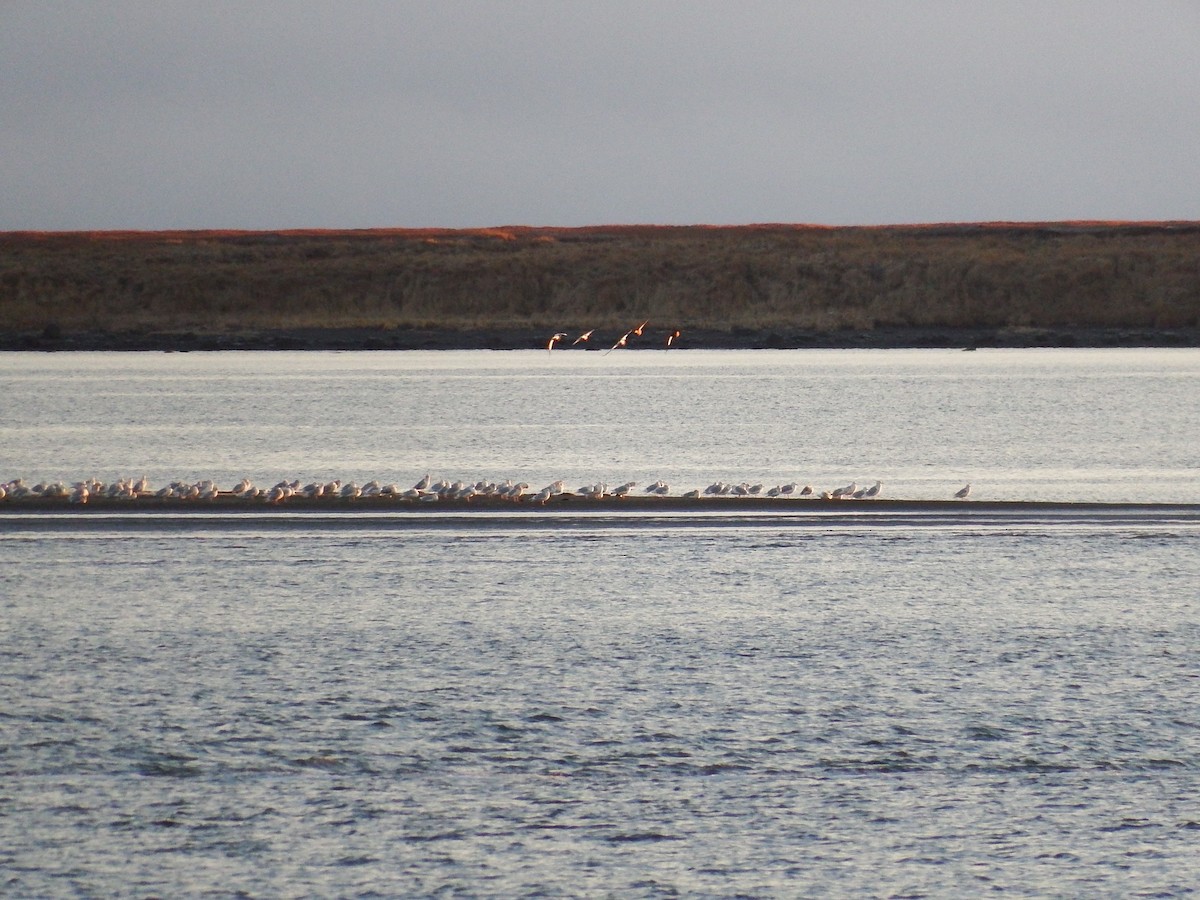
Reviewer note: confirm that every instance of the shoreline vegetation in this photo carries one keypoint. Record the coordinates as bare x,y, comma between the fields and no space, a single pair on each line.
770,286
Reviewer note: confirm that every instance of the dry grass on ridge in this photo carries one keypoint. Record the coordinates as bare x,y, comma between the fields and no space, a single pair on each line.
998,275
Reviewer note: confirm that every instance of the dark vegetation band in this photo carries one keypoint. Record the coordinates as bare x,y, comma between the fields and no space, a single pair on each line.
798,277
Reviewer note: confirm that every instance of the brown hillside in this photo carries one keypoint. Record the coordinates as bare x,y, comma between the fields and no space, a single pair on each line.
996,275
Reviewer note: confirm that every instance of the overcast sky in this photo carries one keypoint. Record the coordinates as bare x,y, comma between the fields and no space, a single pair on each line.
294,114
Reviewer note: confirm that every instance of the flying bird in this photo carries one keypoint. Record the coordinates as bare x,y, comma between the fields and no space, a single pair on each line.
671,338
621,343
583,337
557,337
638,330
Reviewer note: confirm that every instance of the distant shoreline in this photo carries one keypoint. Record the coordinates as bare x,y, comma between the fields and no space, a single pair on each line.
1068,284
59,340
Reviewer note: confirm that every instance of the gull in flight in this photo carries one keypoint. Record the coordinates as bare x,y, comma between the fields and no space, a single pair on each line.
583,337
620,343
558,336
963,493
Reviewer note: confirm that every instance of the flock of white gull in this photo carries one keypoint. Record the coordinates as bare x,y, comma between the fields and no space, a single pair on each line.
622,341
427,490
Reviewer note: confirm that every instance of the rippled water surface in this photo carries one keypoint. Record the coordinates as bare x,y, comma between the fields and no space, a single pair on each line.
357,705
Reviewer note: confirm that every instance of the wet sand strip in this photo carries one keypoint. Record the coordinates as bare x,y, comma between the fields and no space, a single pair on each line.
573,512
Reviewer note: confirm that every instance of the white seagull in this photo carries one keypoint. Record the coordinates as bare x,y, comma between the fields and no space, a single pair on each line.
620,343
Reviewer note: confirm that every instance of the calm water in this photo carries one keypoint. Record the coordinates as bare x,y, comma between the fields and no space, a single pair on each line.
1113,425
594,705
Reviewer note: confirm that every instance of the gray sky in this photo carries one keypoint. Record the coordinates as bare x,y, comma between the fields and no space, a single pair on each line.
156,115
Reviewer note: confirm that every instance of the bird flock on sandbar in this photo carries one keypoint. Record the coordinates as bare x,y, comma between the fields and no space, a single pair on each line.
559,337
426,490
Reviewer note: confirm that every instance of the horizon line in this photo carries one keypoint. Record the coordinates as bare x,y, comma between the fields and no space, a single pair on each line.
510,231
